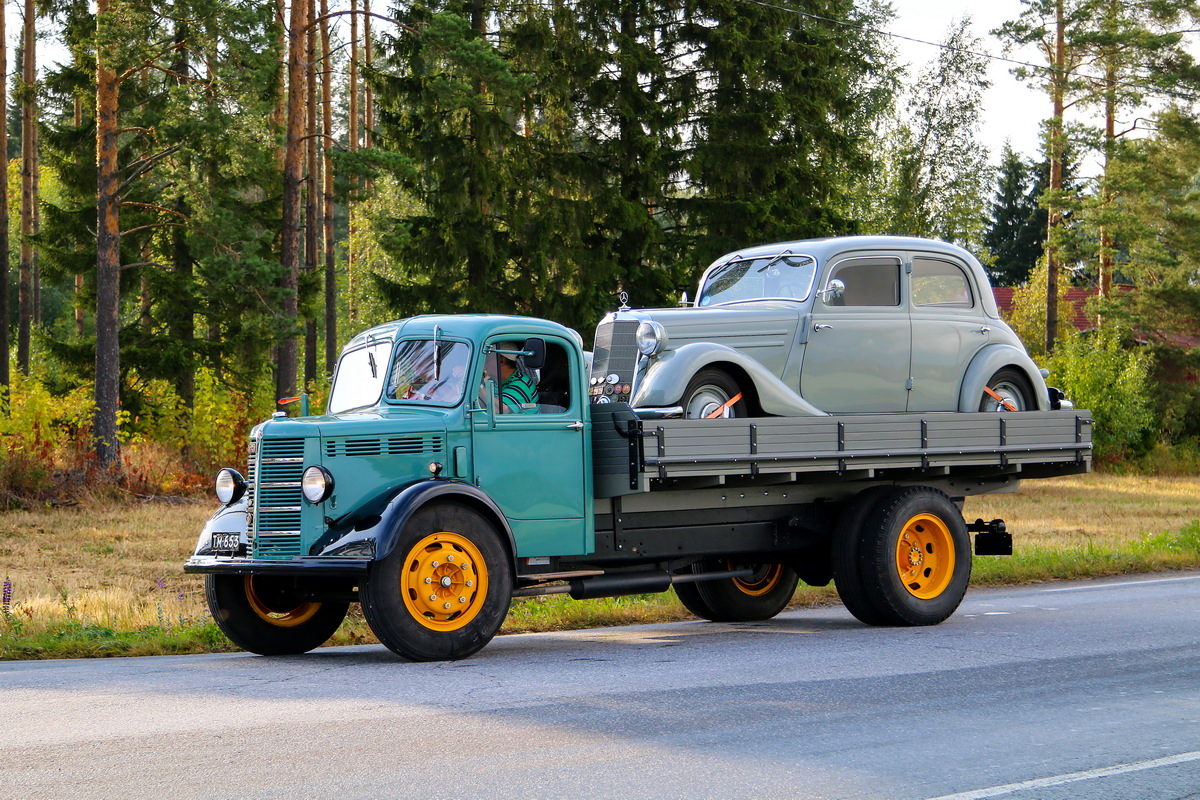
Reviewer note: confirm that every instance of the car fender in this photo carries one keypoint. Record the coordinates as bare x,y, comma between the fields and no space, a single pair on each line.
376,536
668,374
986,363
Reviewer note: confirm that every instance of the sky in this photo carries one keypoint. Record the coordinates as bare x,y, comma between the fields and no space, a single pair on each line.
1013,111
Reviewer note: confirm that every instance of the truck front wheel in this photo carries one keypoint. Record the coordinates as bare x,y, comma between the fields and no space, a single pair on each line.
271,615
758,596
904,558
444,591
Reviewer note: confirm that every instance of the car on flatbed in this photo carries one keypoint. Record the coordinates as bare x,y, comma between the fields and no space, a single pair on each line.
847,325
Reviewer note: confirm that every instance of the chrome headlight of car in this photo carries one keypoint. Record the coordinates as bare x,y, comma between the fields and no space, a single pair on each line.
316,484
651,338
229,486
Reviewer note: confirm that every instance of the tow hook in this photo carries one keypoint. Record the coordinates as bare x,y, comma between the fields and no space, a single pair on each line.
991,538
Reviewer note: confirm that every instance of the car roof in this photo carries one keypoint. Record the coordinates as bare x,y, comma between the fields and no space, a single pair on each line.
831,247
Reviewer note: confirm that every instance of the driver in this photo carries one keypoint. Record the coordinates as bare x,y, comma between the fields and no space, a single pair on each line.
518,391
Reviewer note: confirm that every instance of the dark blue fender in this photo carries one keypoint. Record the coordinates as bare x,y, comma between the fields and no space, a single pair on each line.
376,536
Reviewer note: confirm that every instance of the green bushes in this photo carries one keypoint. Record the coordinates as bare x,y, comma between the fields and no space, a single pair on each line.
1098,372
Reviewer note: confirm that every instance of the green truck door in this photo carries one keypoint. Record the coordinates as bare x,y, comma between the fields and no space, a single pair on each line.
535,465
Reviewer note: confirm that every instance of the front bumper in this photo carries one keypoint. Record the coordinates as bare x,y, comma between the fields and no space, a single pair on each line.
232,565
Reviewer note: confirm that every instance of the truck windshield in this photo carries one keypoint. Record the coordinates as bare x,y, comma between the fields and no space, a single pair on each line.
775,276
429,371
360,376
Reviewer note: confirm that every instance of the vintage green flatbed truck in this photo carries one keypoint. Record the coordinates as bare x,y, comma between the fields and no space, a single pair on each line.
432,498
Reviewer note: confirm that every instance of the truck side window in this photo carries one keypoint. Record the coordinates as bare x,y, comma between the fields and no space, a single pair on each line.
869,282
940,283
554,381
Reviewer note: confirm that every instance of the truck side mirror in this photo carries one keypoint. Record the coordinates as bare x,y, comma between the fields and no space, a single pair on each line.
535,352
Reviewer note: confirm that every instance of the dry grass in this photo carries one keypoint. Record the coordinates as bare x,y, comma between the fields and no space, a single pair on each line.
1079,511
117,566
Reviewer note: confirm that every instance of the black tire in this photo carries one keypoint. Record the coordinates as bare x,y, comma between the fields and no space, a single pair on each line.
1013,385
708,390
457,556
847,575
907,561
757,597
271,615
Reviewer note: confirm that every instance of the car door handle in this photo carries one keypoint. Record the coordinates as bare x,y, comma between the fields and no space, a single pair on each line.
576,426
985,330
822,327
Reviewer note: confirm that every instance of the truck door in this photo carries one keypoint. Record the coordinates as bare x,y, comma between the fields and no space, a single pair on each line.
856,358
536,463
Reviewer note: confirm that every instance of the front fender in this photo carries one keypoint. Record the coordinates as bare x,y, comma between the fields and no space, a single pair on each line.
226,519
986,363
668,375
376,536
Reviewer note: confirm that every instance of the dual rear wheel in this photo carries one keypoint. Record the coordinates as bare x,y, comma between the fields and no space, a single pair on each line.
902,556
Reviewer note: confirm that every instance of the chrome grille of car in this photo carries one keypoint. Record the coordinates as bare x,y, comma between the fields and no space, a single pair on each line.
615,353
276,499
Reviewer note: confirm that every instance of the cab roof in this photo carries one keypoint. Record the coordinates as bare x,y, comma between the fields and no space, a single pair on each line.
474,327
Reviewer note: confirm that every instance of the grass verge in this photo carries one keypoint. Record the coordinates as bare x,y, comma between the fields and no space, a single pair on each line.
104,579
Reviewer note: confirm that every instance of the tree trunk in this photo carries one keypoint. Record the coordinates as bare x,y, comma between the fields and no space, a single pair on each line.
28,144
331,340
368,95
182,320
5,375
290,246
312,185
79,281
1058,80
108,255
351,194
1110,139
279,113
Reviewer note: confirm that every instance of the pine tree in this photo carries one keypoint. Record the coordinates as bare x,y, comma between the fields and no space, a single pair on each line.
1016,225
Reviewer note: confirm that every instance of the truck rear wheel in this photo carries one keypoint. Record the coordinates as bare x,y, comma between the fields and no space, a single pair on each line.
271,615
444,591
758,596
902,557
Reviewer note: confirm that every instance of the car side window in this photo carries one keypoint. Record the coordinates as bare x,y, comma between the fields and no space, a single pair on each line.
866,281
941,284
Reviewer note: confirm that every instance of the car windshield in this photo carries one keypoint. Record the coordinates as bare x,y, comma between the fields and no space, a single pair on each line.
428,371
360,376
782,276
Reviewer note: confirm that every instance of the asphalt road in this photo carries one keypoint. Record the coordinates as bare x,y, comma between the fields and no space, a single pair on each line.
1078,690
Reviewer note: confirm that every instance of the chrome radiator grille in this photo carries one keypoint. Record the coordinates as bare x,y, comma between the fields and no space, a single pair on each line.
275,498
615,354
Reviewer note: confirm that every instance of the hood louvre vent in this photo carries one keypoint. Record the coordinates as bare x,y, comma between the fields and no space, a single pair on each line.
390,446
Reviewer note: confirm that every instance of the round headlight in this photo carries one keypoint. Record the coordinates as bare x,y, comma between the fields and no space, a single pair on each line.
230,486
651,338
317,484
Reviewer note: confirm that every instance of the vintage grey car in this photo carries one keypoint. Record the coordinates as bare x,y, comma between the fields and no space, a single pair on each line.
823,326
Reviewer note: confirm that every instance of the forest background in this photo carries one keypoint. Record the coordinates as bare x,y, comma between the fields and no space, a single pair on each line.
207,198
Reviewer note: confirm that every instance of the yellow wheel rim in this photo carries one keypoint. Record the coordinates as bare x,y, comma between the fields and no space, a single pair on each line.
444,581
285,618
765,578
925,556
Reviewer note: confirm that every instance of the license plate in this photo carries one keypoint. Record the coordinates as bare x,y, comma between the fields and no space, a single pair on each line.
226,542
